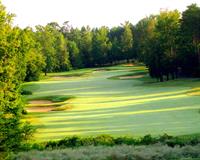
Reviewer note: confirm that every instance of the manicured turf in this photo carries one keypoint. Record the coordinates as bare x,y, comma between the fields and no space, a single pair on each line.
104,105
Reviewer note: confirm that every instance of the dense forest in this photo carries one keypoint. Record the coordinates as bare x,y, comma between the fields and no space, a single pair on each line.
167,43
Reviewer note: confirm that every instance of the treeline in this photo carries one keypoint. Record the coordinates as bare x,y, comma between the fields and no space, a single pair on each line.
54,48
168,43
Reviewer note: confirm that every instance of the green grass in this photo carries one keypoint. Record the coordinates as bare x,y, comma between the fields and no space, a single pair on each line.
102,105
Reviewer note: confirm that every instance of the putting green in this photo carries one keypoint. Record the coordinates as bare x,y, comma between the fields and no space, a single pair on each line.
128,106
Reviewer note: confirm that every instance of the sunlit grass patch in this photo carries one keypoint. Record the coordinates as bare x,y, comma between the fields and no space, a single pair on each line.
194,92
134,75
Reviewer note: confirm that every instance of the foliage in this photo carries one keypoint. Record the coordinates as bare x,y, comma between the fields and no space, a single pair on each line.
46,39
34,59
86,46
107,140
127,41
189,50
13,132
74,55
101,46
167,44
161,44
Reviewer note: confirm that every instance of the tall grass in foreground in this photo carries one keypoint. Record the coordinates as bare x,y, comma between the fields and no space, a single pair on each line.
122,152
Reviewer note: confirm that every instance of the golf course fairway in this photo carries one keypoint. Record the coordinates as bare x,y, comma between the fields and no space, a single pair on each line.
120,101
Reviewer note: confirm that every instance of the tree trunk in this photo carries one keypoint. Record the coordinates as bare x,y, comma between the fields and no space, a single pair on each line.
173,77
167,76
45,72
176,74
161,78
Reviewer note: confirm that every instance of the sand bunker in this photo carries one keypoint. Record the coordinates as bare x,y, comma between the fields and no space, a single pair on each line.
57,78
99,70
131,77
128,65
40,109
61,77
194,92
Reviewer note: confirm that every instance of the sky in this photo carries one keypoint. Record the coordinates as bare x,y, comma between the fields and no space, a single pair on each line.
94,13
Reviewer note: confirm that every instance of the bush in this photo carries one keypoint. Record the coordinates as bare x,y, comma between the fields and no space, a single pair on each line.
87,141
148,139
126,140
74,141
24,112
165,137
104,140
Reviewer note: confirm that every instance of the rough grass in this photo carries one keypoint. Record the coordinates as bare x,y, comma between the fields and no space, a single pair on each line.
124,152
118,107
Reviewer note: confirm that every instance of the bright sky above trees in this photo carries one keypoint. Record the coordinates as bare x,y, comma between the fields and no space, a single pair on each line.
88,12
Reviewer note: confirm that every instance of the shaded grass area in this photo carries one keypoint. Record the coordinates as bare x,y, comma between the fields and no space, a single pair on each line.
81,73
54,98
29,88
121,152
118,107
136,73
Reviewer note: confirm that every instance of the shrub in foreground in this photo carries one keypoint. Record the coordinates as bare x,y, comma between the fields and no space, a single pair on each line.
120,152
107,140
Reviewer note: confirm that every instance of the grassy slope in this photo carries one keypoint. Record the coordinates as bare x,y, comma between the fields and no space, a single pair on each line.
118,107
